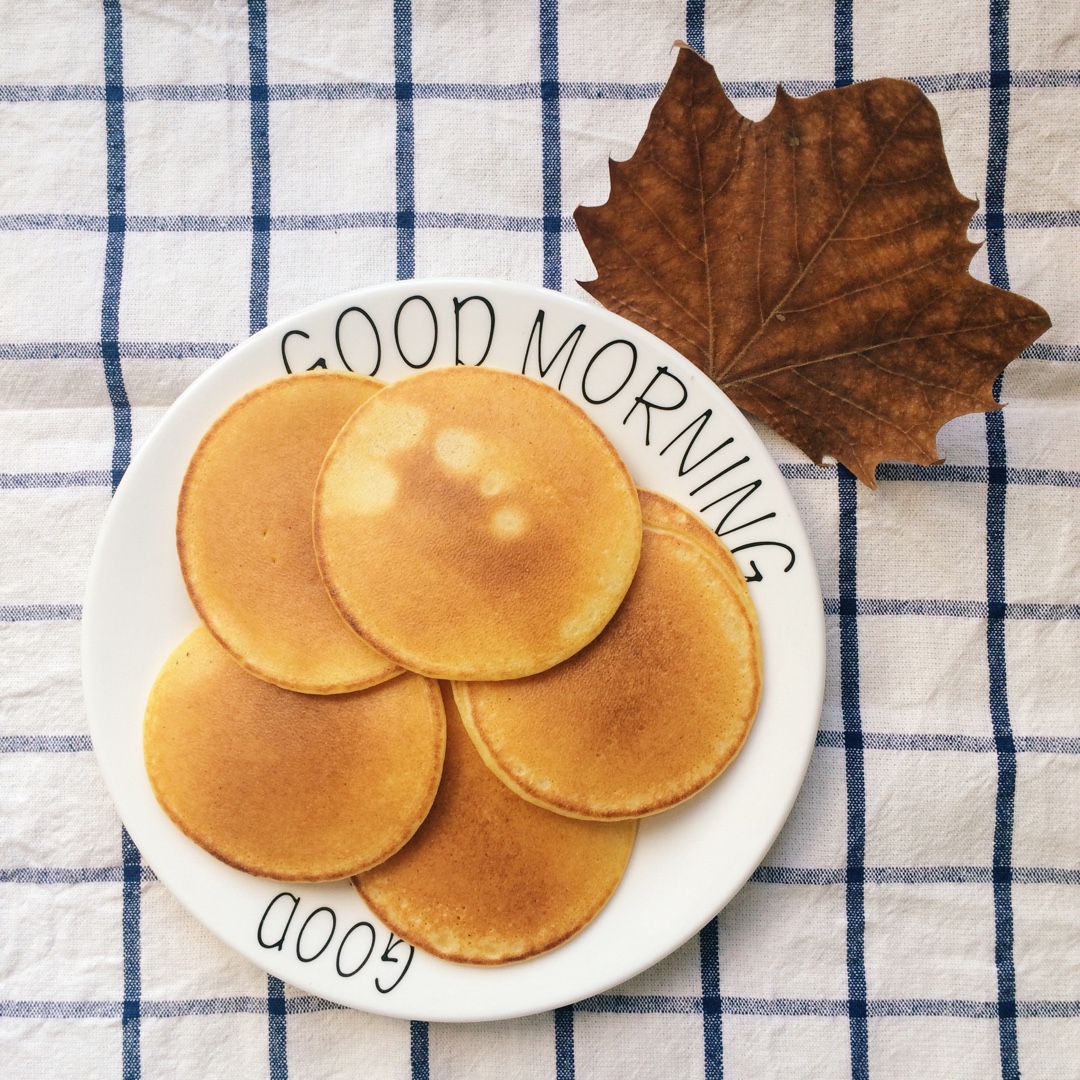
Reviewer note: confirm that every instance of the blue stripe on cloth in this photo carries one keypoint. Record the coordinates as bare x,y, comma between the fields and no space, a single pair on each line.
914,875
116,169
91,350
551,142
997,162
77,92
1050,78
427,219
975,474
957,609
695,25
61,222
116,180
384,91
357,219
165,1008
277,1036
952,474
293,1006
711,1002
419,1050
44,744
1038,219
405,161
671,1005
997,156
40,612
976,1010
938,83
260,165
746,1006
63,875
61,1010
843,43
971,744
854,773
130,920
564,1042
159,1008
1005,800
532,90
1045,744
83,478
1043,350
241,1004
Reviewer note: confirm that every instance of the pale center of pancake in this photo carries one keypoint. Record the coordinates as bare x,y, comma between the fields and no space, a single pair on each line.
509,522
394,427
458,451
372,485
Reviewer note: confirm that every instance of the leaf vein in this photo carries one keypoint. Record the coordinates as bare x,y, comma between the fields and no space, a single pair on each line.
871,286
951,334
832,232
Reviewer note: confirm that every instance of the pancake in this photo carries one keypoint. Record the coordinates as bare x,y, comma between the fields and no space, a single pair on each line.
660,512
489,878
475,524
285,785
649,713
244,536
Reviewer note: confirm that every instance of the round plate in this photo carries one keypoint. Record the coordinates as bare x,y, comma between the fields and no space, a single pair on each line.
679,435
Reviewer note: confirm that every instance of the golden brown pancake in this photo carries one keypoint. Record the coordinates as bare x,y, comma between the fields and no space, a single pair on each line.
475,524
649,713
286,785
489,878
244,536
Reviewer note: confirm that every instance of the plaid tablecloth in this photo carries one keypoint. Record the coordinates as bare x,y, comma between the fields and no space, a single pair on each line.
175,174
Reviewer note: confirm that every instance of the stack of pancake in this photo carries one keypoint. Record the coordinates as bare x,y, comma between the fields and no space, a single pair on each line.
346,546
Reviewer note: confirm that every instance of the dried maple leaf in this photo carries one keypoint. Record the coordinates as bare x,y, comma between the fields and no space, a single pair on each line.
814,263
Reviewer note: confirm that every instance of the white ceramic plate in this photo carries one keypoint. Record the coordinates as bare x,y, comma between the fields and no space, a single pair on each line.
679,435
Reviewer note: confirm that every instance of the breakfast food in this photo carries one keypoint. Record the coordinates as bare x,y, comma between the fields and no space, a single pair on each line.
490,878
244,536
292,786
664,513
346,545
473,523
652,710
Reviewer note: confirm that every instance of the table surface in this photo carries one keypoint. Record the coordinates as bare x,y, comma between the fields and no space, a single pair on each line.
176,175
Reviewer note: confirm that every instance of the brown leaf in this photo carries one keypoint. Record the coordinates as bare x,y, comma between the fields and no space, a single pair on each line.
814,263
